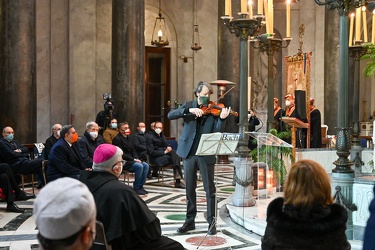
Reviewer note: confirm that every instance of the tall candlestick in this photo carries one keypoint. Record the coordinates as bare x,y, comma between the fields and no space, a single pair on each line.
251,9
373,29
260,7
351,29
228,8
288,18
357,24
243,6
364,18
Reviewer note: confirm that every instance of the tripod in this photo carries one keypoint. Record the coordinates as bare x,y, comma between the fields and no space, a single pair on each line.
216,144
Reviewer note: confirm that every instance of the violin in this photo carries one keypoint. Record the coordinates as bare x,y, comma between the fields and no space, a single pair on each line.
215,109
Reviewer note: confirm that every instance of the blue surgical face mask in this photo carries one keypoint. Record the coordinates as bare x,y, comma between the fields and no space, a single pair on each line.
10,137
114,125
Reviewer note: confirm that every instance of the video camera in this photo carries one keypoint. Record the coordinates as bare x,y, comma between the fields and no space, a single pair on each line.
108,105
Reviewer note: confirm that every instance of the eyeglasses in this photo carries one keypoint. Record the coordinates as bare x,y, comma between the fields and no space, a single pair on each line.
122,162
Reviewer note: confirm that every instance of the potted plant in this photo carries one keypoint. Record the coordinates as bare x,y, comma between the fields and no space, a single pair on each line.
275,157
370,56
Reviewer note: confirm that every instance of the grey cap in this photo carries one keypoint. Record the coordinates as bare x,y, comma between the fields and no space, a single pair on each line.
62,208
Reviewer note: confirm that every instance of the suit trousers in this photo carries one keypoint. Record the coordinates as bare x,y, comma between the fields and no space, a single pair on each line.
191,166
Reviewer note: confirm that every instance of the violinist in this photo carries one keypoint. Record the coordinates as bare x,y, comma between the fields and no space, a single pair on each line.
196,124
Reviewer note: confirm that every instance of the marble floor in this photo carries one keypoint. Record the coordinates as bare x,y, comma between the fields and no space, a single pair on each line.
18,231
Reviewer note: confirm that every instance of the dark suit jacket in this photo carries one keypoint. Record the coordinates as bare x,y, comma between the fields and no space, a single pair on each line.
48,145
156,145
212,124
126,144
8,155
63,161
140,145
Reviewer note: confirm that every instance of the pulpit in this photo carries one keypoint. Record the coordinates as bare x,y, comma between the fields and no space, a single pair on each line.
295,123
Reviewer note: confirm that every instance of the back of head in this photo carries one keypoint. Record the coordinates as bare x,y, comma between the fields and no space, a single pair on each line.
307,185
105,157
63,208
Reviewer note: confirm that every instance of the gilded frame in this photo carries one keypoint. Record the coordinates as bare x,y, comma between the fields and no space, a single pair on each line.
298,76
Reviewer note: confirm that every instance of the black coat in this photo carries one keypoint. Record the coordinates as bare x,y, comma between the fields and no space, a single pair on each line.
322,229
156,145
126,144
86,147
140,145
127,220
8,155
63,161
48,145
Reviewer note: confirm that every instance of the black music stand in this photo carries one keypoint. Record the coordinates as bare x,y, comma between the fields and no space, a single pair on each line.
217,144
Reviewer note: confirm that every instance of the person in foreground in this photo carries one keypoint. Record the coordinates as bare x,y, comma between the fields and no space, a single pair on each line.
369,239
65,213
128,222
196,124
306,218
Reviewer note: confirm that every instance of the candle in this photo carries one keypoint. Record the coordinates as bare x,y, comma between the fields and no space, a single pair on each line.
357,24
267,16
373,29
243,6
250,9
288,18
260,7
351,29
364,18
270,14
228,8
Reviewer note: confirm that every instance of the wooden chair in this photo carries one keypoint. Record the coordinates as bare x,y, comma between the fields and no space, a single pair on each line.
30,148
100,241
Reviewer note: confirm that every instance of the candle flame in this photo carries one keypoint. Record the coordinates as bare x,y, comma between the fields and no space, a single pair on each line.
250,2
363,8
352,14
160,33
373,12
287,1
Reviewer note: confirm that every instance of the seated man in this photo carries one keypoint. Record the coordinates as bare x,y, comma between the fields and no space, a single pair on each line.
133,164
110,132
8,183
65,214
17,156
161,154
88,143
52,139
128,222
63,160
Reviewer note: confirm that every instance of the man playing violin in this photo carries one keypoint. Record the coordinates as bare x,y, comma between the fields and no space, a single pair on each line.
196,124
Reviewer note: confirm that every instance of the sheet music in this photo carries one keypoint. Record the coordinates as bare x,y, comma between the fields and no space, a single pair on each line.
218,144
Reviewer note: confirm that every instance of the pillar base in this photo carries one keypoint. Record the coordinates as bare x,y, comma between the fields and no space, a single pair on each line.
243,191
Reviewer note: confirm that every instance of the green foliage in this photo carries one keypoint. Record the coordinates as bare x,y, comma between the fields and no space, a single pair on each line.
370,56
275,156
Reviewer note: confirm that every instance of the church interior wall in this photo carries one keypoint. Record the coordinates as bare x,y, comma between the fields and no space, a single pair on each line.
74,55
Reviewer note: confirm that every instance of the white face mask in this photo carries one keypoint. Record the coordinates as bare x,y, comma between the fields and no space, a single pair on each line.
287,103
143,130
93,135
58,133
158,131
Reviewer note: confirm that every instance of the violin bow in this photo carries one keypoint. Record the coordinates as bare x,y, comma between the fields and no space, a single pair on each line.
224,94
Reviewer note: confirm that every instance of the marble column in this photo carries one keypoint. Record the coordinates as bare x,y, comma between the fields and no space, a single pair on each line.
331,74
228,64
17,63
128,46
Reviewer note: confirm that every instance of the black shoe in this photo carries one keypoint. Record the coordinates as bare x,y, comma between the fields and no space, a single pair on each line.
140,191
150,177
13,208
156,176
144,190
186,227
22,196
212,230
179,185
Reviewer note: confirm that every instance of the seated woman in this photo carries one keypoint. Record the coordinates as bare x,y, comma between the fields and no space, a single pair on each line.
306,218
